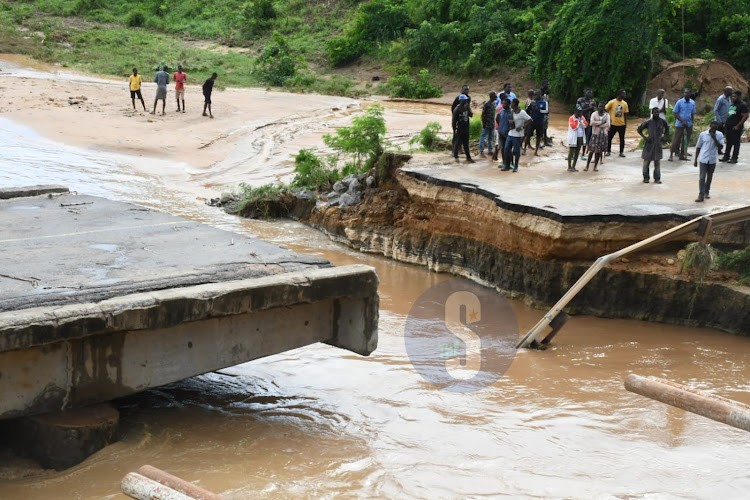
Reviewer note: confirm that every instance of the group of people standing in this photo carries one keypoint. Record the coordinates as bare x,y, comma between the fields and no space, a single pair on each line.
504,124
161,79
593,126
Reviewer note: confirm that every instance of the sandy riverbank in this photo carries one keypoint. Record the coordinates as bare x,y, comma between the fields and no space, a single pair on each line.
251,126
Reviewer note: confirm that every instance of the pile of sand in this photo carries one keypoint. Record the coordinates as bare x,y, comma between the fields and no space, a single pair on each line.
707,77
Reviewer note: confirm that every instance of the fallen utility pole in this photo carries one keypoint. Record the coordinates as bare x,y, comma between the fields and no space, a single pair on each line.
555,317
701,403
150,483
142,488
177,484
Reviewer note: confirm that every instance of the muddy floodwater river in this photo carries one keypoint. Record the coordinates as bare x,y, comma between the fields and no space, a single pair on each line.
320,422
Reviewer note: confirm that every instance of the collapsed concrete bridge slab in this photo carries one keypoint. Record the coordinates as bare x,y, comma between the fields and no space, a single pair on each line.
101,299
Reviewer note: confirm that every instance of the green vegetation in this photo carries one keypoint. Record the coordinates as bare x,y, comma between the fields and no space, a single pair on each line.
475,127
700,260
363,141
403,85
277,65
264,198
310,172
574,43
739,261
101,42
374,23
606,45
427,136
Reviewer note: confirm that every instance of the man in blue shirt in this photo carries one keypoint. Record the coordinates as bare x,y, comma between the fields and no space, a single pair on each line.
508,89
721,108
684,111
707,150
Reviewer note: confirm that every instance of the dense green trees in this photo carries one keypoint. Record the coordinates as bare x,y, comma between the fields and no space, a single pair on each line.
603,43
712,27
606,45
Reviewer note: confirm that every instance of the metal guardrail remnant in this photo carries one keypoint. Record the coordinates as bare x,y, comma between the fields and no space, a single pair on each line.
556,318
701,403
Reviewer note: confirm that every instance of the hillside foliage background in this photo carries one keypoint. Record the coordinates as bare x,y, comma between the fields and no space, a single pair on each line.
607,44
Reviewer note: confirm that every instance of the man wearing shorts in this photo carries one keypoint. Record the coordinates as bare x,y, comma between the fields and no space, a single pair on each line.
208,87
135,88
161,79
179,87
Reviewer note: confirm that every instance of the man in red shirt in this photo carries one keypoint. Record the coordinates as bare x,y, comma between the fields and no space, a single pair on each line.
179,87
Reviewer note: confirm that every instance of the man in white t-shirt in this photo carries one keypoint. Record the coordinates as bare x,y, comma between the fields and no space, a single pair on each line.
519,119
659,102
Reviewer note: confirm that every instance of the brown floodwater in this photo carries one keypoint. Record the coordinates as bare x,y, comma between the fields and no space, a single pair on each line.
322,422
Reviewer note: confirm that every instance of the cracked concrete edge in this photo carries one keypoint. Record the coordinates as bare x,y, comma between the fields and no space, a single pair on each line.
164,308
27,191
61,297
467,187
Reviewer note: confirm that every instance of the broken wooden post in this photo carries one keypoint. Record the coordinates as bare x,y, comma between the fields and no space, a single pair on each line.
702,403
142,488
177,484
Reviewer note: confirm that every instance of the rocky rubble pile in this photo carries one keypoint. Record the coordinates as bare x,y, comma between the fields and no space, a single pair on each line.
347,192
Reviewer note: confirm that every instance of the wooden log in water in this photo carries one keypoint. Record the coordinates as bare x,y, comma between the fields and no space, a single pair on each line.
702,403
177,484
142,488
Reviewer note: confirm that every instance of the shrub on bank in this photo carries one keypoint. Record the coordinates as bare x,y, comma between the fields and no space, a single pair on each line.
475,127
261,201
364,140
277,65
427,136
739,261
311,172
421,87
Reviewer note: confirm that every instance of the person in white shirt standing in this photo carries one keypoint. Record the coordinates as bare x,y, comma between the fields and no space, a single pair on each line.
659,102
518,121
707,150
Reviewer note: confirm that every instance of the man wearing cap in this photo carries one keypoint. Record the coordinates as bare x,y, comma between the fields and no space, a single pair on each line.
461,116
721,108
456,101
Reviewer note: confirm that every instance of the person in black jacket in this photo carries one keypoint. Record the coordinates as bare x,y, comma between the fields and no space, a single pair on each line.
456,101
461,116
208,87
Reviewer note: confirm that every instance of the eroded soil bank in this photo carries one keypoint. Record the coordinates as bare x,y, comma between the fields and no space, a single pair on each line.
528,255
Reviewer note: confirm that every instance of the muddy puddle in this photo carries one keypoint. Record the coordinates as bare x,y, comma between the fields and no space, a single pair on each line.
319,422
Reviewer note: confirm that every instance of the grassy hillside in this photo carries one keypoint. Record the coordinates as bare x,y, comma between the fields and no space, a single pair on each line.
457,38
